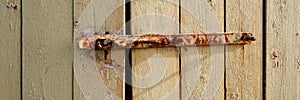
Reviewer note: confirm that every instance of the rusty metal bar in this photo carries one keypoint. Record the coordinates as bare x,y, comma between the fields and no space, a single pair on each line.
113,41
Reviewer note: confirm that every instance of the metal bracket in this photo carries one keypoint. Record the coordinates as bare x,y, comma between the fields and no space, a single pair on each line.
113,41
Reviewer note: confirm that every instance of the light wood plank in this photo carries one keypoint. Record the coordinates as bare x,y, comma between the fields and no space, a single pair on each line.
283,50
202,67
155,72
10,50
78,95
47,49
79,6
90,82
244,62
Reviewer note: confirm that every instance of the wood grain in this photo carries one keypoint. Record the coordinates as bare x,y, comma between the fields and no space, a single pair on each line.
47,49
202,68
155,72
244,62
78,95
10,50
79,7
90,82
283,50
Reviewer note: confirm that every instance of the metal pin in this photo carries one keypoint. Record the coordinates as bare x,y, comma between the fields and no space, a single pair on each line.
164,41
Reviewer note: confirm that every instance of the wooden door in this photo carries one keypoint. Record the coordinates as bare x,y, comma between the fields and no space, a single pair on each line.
206,72
40,59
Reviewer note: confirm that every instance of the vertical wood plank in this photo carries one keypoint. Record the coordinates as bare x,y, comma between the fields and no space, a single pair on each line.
244,62
79,6
283,50
155,72
47,49
90,81
202,68
78,95
10,50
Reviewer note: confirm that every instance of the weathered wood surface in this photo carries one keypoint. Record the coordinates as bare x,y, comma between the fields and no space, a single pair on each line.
90,81
47,49
202,68
155,72
244,62
47,45
10,50
283,50
79,7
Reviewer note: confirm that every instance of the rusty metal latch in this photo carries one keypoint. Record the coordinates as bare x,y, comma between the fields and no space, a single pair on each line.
113,41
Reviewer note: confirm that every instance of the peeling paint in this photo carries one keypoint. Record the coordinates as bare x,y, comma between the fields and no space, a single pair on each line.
46,69
274,55
276,64
276,61
11,6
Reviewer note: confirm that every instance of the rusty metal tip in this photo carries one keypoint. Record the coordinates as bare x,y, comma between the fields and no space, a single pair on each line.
248,38
252,38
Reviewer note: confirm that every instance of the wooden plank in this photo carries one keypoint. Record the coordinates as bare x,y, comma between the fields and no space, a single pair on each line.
79,6
244,62
91,82
283,50
10,50
202,68
78,95
47,49
155,72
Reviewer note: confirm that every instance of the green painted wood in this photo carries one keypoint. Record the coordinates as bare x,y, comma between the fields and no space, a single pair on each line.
10,56
47,49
